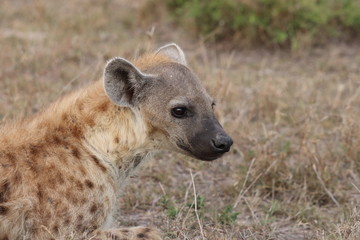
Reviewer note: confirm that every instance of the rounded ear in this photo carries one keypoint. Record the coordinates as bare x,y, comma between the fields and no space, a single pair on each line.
123,81
174,52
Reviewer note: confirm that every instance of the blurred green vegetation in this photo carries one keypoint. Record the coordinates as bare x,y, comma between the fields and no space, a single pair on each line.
290,23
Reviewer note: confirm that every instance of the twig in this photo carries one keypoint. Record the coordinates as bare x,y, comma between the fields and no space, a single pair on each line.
323,185
252,212
183,206
47,230
247,175
162,189
185,217
355,187
195,202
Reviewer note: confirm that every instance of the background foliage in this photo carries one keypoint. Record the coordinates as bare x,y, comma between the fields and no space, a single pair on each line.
271,22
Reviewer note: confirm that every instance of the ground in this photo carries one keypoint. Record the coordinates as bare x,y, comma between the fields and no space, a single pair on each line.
293,172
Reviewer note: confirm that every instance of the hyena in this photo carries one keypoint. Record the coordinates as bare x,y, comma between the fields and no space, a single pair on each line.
62,169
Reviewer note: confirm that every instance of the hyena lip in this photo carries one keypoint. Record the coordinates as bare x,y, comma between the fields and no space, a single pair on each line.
201,157
209,158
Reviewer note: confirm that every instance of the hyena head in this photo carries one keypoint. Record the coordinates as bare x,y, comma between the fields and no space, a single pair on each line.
171,101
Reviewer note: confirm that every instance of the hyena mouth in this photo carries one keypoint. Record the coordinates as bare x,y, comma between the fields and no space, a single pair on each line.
184,147
200,156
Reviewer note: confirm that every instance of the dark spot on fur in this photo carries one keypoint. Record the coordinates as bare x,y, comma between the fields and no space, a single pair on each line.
57,140
33,167
51,201
67,221
11,157
81,106
76,153
83,201
72,178
141,235
80,218
40,193
63,208
47,216
34,150
116,140
80,228
103,106
3,210
65,144
97,162
71,197
17,177
4,191
93,208
5,238
82,170
125,231
79,185
60,178
89,120
77,132
52,182
89,184
64,117
74,200
146,230
68,194
63,160
55,229
60,130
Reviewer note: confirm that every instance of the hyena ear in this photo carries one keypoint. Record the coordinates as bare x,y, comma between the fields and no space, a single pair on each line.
123,82
174,52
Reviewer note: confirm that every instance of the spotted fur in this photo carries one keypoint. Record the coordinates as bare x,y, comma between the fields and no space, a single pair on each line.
62,169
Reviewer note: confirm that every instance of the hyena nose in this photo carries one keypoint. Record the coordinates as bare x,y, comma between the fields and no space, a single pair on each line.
222,143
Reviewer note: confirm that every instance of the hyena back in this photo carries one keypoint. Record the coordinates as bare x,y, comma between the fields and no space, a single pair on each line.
61,170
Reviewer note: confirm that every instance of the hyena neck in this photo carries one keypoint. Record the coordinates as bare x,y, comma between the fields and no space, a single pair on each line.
112,133
117,135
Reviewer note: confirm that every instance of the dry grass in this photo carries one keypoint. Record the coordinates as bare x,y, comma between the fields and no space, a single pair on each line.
293,172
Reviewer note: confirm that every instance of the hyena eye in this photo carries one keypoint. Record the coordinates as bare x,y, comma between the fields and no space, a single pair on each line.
179,112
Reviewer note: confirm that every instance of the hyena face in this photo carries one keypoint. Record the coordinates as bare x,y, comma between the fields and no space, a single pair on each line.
171,101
